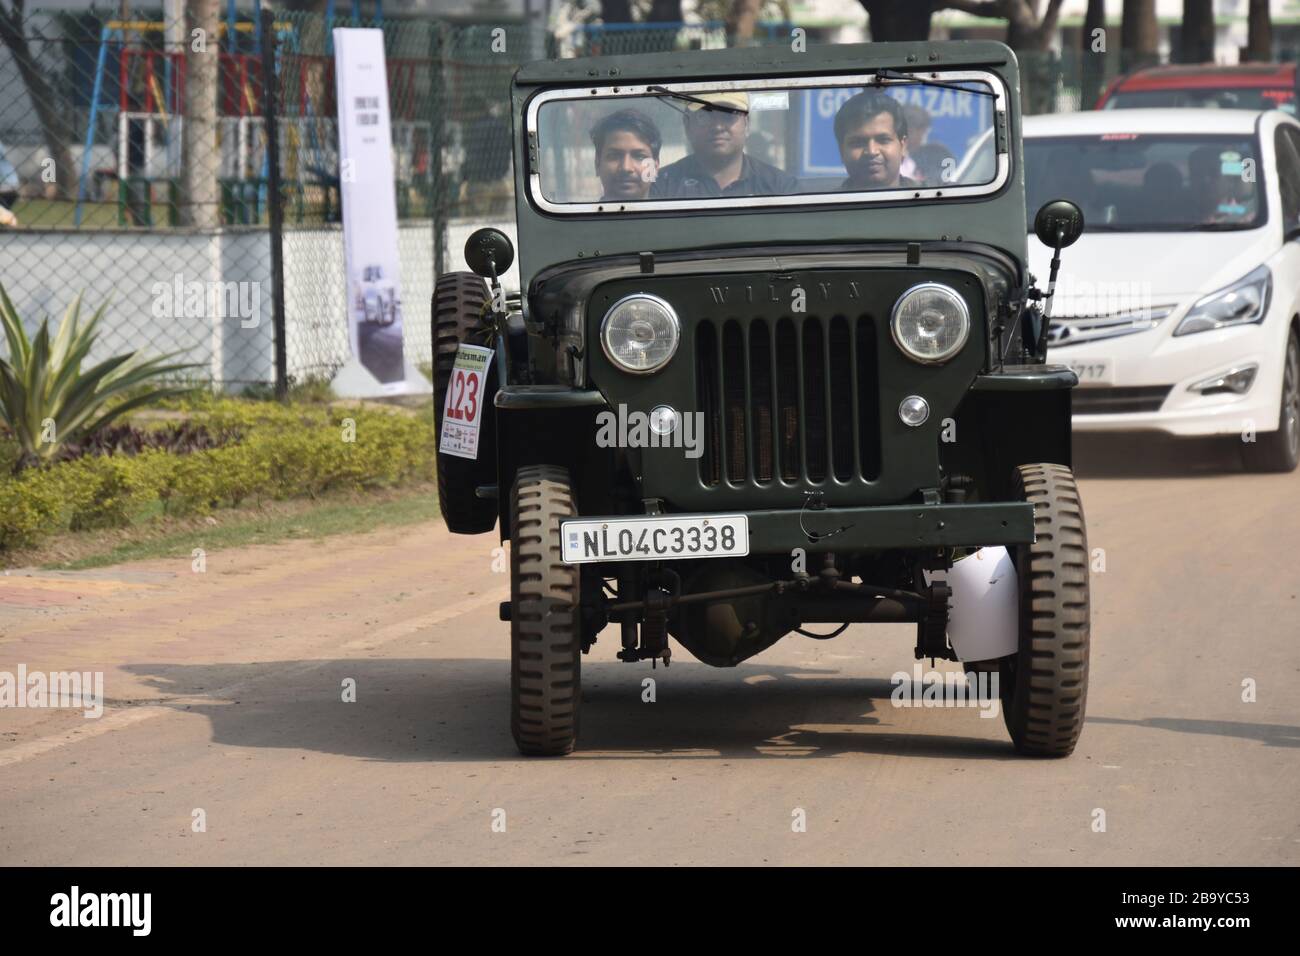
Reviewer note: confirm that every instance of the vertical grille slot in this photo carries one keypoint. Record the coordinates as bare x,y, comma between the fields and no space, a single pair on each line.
868,398
706,383
840,385
733,378
787,399
814,399
761,395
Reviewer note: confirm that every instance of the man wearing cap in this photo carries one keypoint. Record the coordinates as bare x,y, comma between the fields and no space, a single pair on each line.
718,165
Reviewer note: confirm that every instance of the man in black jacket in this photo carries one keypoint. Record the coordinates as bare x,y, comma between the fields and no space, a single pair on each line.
718,164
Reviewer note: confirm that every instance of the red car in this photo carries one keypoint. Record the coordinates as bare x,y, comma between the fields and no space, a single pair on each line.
1250,86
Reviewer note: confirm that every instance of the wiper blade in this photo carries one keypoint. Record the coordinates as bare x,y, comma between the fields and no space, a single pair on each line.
897,75
661,91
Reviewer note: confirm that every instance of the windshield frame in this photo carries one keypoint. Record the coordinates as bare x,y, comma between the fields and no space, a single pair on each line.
1000,121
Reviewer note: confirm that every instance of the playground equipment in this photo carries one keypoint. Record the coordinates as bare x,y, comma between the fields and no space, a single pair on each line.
150,121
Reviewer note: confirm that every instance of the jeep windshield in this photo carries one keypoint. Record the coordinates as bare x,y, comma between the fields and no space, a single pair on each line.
1129,182
861,138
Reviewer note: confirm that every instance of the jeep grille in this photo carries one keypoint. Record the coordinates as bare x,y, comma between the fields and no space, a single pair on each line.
794,398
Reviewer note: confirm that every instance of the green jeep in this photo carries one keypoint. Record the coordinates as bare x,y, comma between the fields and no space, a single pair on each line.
776,362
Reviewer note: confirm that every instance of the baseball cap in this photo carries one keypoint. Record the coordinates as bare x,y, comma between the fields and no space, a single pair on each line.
737,101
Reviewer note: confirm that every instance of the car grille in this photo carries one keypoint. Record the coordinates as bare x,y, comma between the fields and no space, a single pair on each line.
794,399
1118,401
1076,330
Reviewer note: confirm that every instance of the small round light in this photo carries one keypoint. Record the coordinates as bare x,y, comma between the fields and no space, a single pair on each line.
640,333
663,420
930,322
914,410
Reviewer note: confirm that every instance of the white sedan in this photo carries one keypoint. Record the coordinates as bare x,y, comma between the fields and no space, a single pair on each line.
1179,308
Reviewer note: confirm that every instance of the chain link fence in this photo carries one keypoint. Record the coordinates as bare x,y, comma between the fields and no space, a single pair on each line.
134,159
136,165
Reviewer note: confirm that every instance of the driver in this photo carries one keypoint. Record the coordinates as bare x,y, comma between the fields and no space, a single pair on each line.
872,132
627,155
717,164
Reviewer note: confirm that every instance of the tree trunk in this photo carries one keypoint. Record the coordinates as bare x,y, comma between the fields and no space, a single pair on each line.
899,19
742,17
1031,38
615,11
1138,35
51,112
200,195
1022,26
665,11
1198,32
1092,73
1259,42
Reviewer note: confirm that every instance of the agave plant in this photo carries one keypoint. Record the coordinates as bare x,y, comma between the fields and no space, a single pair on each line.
45,397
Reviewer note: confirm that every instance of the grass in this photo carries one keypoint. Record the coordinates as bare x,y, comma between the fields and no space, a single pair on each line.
61,214
271,523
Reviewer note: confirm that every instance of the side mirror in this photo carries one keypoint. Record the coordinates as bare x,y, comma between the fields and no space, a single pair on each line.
1058,224
489,252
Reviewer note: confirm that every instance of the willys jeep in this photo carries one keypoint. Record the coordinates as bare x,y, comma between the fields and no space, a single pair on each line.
773,364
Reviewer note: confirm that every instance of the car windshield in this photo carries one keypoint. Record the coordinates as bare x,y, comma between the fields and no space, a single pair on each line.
1228,98
1127,182
781,142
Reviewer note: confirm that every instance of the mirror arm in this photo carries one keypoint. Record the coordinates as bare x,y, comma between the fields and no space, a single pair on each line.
500,316
1051,276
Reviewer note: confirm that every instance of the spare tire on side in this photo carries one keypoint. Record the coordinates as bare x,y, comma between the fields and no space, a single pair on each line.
459,307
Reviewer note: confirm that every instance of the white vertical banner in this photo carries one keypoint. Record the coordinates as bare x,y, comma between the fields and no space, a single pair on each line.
374,289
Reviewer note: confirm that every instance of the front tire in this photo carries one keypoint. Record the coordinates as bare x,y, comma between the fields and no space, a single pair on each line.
545,624
1279,451
1044,685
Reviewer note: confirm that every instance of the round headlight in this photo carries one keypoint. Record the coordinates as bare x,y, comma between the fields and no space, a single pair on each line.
640,333
930,323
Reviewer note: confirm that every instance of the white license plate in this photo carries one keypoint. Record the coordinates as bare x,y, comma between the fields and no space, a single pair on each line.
1099,371
654,539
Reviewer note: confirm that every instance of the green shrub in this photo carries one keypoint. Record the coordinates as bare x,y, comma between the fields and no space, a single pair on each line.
105,491
284,452
29,508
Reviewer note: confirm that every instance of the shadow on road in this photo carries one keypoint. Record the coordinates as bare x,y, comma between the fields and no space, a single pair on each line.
1154,455
1274,735
457,710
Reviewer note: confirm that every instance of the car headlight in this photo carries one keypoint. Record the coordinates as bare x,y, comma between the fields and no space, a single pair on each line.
930,322
640,333
1242,303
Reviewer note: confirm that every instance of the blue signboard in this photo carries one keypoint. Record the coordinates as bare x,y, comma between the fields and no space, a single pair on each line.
957,118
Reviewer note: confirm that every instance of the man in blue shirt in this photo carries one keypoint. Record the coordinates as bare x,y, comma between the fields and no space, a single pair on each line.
718,165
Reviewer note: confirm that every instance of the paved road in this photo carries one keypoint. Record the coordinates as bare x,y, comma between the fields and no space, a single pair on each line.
224,695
